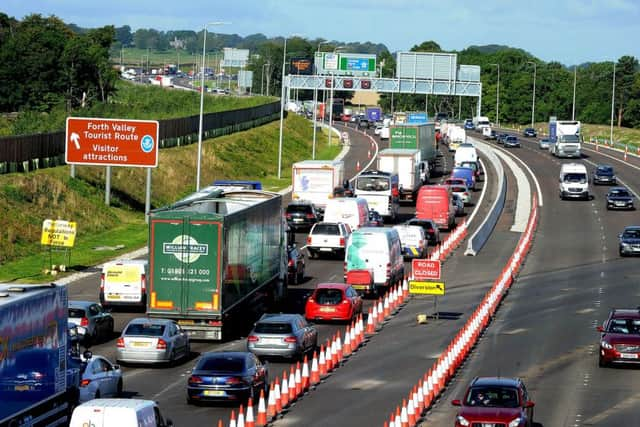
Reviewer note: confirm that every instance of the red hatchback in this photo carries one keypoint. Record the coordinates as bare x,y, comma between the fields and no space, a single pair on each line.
620,340
333,301
496,402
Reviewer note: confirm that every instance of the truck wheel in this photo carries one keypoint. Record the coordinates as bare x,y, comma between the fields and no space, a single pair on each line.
119,388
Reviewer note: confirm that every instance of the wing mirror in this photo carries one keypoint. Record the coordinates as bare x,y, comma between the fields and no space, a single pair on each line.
529,404
600,329
456,402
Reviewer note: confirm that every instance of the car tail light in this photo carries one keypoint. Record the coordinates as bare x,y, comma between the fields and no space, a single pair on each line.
84,322
37,375
234,380
420,242
253,338
85,383
291,263
194,379
342,241
143,283
345,301
290,339
466,194
162,344
308,240
102,282
120,342
309,216
288,216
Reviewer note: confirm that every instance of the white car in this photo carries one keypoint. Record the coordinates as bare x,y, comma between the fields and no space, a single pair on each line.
328,237
100,378
378,129
463,192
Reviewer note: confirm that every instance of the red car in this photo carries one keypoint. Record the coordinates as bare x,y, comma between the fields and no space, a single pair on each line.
620,340
495,401
333,301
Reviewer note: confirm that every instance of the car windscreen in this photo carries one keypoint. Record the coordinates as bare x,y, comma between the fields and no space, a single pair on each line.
76,313
575,177
367,183
273,328
624,326
331,229
470,165
619,193
493,396
221,364
298,209
145,330
605,170
570,138
631,234
328,296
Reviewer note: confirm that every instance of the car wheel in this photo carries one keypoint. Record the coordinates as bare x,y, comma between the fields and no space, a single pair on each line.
602,363
97,395
300,277
95,337
190,401
119,388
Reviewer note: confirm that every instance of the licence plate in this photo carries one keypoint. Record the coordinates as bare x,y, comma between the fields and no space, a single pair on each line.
628,355
327,309
270,340
214,393
21,388
140,344
297,219
488,425
185,322
620,204
360,287
325,249
113,297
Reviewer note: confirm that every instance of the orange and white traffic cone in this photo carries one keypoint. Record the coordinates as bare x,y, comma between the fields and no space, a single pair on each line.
240,417
380,311
411,413
374,316
358,166
298,380
371,328
339,354
404,419
346,348
284,392
360,329
261,420
292,384
249,419
387,309
328,358
220,423
405,288
271,406
353,337
314,377
322,363
232,420
305,374
277,396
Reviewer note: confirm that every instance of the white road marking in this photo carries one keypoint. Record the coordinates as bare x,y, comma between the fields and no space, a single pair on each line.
523,204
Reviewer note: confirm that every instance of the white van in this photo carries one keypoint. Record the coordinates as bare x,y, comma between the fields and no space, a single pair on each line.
124,283
465,153
378,250
118,413
574,181
353,211
412,240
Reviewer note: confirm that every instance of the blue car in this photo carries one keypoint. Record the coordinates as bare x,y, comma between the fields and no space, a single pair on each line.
468,124
467,174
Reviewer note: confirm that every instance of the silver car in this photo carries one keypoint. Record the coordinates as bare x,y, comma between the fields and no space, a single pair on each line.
93,322
146,340
543,143
100,378
459,204
282,335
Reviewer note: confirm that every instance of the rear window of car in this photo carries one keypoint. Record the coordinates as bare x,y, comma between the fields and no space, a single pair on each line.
273,328
145,330
221,364
328,296
332,229
458,189
298,208
76,312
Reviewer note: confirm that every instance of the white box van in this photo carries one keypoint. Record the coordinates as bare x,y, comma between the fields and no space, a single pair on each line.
574,181
378,250
118,413
353,211
124,283
412,240
465,153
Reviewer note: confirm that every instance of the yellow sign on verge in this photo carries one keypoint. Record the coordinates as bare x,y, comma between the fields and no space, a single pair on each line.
58,233
426,288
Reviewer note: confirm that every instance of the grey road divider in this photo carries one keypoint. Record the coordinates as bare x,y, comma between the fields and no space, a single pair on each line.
523,203
482,233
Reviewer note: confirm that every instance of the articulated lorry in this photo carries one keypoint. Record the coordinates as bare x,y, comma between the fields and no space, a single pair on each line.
315,180
407,164
421,137
564,138
39,380
217,261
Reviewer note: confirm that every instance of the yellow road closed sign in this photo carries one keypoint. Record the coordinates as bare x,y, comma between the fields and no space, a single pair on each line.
426,288
58,233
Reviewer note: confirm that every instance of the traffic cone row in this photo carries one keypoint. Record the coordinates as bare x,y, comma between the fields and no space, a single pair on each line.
434,381
452,241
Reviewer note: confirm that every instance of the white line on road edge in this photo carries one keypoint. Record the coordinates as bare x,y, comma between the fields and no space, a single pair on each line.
523,204
482,193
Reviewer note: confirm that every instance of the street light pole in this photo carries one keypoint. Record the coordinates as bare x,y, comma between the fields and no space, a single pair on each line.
333,81
204,48
284,60
533,102
575,79
315,108
498,97
613,96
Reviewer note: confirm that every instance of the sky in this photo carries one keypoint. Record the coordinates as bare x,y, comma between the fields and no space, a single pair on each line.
568,31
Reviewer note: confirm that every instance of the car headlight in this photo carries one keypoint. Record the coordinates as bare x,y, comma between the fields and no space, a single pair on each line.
606,345
624,245
462,421
515,422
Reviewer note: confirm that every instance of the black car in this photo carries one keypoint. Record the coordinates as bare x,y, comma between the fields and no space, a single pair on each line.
619,198
227,376
604,174
500,138
529,132
295,265
375,219
511,141
629,241
364,123
301,215
431,230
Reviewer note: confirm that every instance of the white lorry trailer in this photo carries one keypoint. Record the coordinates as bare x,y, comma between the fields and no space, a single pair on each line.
406,163
314,180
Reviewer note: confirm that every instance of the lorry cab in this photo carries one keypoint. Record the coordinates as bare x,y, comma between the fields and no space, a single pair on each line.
119,413
574,181
436,202
381,190
124,283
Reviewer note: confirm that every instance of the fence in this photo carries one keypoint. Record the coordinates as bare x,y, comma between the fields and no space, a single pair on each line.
29,152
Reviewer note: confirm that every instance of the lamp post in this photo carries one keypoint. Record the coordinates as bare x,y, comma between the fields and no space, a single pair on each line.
315,108
331,97
613,96
266,64
497,97
204,48
575,79
533,102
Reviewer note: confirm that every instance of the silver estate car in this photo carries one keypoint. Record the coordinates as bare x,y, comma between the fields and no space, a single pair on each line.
282,335
94,323
146,340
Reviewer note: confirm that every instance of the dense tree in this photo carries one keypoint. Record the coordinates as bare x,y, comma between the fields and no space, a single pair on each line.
124,36
626,70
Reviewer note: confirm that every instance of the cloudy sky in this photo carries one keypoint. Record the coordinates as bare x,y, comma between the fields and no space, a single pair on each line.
568,31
